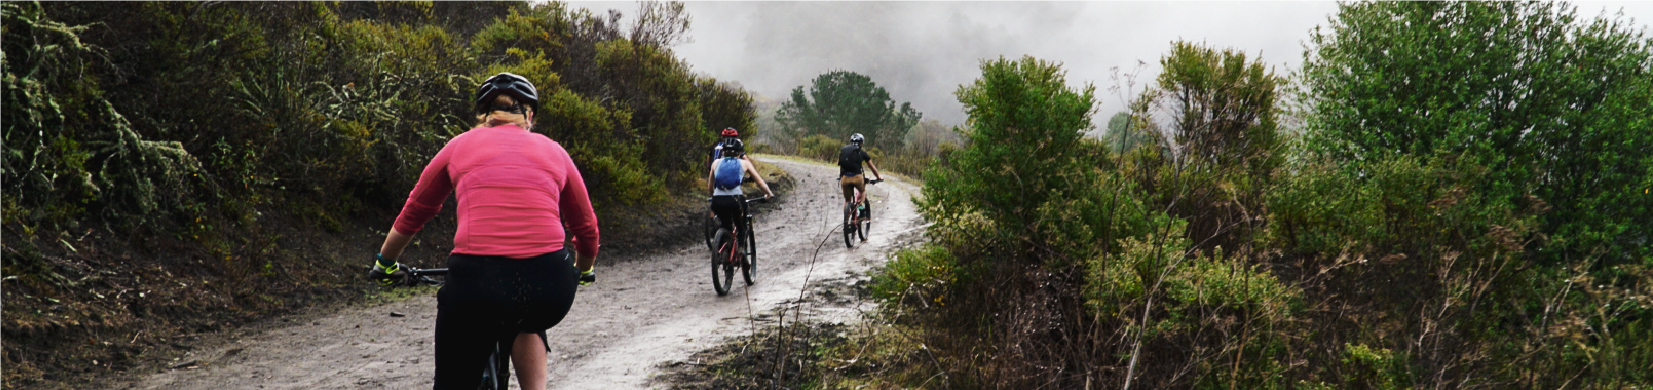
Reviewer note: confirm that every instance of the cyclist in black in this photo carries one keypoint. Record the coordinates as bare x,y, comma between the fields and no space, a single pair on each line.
849,169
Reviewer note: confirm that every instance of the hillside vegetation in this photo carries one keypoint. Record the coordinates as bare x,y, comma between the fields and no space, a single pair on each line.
1466,206
175,167
1448,195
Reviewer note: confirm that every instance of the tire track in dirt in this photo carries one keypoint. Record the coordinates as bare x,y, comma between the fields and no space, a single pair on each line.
641,312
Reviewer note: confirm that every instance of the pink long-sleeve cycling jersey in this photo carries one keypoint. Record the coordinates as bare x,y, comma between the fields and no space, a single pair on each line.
516,190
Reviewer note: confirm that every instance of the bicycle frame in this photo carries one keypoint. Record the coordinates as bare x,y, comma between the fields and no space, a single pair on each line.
861,197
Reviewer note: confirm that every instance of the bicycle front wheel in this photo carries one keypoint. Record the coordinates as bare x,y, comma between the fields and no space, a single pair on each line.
723,270
749,268
709,230
862,230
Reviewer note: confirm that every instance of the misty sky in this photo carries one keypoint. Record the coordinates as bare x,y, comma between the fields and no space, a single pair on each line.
922,51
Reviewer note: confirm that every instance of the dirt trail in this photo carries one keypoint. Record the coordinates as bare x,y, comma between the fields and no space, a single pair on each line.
641,313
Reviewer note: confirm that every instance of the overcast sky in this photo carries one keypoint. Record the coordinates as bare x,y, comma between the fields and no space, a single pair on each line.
922,51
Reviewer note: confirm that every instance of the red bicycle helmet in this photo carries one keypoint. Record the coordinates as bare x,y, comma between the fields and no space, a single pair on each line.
730,132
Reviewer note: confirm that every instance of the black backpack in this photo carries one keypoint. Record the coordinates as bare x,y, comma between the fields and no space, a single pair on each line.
849,157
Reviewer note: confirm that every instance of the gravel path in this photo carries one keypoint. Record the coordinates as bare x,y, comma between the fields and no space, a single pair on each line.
641,313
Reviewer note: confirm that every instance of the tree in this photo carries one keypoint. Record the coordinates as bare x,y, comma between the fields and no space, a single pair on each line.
1220,105
1221,112
841,103
1121,136
1025,126
726,104
660,24
1554,107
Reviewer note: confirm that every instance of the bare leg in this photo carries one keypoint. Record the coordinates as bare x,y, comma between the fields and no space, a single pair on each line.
528,357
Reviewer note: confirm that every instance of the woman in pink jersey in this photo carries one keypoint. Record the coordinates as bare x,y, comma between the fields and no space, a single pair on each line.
509,274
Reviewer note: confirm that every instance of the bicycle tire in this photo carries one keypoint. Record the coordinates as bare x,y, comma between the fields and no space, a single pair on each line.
865,220
709,230
723,274
862,230
749,268
849,226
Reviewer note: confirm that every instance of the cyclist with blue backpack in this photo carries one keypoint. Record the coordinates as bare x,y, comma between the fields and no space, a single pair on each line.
725,177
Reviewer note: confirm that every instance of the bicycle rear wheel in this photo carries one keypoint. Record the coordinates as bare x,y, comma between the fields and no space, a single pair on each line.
749,268
723,272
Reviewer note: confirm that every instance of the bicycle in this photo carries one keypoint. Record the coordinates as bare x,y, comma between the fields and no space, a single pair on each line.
736,249
496,375
858,217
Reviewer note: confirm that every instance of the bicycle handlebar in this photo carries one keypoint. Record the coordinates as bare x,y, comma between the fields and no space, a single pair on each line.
430,272
750,200
417,276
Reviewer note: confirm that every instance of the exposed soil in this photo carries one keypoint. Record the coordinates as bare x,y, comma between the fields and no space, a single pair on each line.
145,301
645,311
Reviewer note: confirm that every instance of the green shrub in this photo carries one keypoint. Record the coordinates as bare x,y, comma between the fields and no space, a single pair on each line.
1025,130
1375,368
917,276
820,147
1553,105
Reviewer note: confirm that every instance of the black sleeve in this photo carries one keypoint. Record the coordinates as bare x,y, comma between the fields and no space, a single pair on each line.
864,155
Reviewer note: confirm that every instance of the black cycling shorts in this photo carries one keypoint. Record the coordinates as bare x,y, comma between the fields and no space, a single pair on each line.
730,210
492,298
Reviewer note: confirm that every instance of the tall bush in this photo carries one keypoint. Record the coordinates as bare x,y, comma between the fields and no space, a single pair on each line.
1025,130
1218,108
1553,105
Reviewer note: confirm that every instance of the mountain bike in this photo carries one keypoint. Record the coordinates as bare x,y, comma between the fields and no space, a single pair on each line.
733,250
496,375
858,217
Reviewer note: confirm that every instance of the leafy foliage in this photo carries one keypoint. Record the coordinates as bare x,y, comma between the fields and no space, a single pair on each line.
1555,107
1413,237
1121,136
180,125
1223,140
841,103
1025,131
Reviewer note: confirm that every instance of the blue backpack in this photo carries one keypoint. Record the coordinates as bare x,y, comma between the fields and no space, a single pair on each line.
729,173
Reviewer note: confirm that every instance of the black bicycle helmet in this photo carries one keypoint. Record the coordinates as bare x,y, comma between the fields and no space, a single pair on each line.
857,138
518,87
734,147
